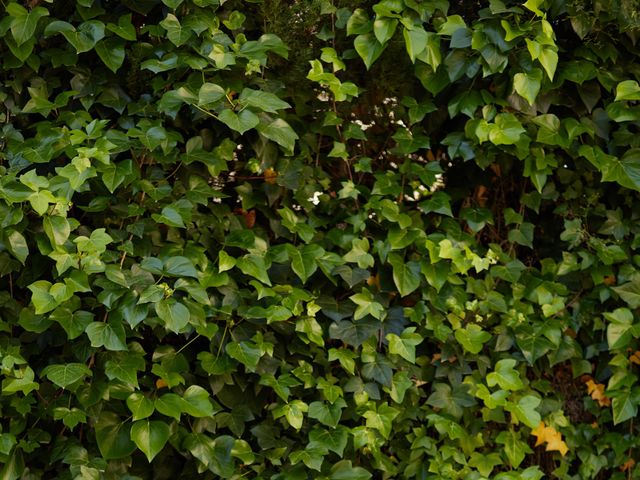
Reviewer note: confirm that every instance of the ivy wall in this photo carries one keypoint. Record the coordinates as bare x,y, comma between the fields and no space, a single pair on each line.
319,239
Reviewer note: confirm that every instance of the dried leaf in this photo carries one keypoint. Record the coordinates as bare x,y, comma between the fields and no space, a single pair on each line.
596,390
552,437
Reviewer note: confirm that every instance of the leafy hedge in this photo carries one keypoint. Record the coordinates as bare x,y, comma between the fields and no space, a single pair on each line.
316,239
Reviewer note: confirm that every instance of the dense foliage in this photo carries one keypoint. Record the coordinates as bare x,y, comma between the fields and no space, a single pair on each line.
305,239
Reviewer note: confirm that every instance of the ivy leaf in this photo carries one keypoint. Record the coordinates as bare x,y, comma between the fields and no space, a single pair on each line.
625,405
513,447
140,406
240,122
173,313
525,410
367,305
176,33
265,101
415,40
472,337
280,132
150,436
210,94
369,48
303,260
405,345
196,402
406,276
354,333
527,84
18,245
245,352
24,22
333,440
67,374
628,90
111,52
344,470
109,335
113,436
505,376
254,266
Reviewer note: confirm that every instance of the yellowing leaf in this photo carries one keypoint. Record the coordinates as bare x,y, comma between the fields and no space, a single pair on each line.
596,390
628,465
552,437
635,357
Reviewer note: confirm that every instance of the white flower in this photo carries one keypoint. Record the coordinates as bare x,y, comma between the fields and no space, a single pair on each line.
315,198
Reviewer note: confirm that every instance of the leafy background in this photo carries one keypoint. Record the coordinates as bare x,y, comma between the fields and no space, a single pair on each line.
316,239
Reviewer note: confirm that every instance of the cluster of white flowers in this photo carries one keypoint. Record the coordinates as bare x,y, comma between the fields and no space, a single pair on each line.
315,198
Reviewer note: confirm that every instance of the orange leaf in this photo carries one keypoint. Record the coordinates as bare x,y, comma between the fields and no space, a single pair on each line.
628,465
161,383
635,357
270,175
552,437
596,390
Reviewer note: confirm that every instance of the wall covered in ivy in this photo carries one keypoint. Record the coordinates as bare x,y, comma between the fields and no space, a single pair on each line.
319,239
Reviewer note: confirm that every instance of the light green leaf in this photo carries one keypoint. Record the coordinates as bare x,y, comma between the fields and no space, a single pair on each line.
549,60
265,101
472,337
245,352
628,90
415,41
368,48
505,376
66,374
150,436
527,84
525,410
18,245
196,402
140,406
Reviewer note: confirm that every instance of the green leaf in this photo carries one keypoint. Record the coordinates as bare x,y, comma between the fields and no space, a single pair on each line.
150,436
327,414
384,28
265,101
405,345
344,470
210,94
367,305
173,313
630,293
280,132
354,333
57,229
196,402
369,48
111,52
84,38
140,406
513,447
406,276
180,267
359,22
293,411
176,33
113,436
333,440
525,410
303,260
415,41
170,405
66,374
527,84
24,22
109,335
254,266
549,60
13,468
625,405
505,376
506,130
242,122
18,245
245,352
628,90
472,337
